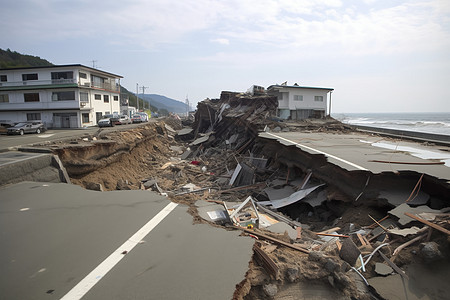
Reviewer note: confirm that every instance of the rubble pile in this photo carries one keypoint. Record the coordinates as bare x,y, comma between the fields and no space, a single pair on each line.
314,222
319,230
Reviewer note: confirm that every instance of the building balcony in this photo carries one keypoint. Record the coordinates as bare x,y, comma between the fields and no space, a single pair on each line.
57,83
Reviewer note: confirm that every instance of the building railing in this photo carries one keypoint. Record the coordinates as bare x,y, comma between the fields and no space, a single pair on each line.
99,85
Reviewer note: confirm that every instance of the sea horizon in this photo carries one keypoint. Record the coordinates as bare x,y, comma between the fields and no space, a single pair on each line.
428,122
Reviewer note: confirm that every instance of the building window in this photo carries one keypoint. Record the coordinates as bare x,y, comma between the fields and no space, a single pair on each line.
85,117
3,78
106,98
31,97
63,96
98,97
26,77
33,117
4,98
62,75
318,98
84,97
83,75
116,98
298,97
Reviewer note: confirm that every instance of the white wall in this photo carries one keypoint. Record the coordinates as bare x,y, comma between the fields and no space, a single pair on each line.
16,110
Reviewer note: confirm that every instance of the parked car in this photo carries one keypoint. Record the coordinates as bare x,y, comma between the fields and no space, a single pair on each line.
124,119
26,127
108,120
144,116
4,127
136,119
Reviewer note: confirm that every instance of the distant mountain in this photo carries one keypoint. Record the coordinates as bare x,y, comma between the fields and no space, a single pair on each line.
163,102
13,59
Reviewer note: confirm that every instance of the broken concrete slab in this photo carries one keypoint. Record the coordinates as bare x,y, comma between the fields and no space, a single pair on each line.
382,269
276,194
399,196
186,154
169,128
281,227
404,232
396,287
349,252
400,211
316,199
185,131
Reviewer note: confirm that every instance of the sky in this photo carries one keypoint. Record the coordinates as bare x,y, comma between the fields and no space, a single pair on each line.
379,56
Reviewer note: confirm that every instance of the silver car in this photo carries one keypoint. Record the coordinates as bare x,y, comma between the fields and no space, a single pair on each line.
26,127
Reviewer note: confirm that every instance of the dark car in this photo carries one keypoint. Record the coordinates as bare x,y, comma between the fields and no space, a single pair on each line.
4,127
26,127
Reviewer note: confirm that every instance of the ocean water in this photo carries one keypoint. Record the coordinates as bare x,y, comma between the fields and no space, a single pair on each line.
438,123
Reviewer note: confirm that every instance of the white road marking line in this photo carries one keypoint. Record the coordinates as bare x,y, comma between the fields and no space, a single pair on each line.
88,282
320,152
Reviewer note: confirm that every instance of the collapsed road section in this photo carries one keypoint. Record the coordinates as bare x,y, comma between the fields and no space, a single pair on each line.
335,213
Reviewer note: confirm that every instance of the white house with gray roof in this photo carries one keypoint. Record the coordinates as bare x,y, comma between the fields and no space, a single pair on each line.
301,102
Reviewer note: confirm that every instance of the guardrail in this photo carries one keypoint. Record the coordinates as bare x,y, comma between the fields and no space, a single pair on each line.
413,135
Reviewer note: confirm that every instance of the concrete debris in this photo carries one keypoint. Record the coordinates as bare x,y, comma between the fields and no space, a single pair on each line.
349,252
283,228
430,251
382,269
398,196
270,289
404,232
403,208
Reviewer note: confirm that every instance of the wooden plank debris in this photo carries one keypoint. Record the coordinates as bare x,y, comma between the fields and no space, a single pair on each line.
399,248
334,235
267,263
379,224
277,241
435,226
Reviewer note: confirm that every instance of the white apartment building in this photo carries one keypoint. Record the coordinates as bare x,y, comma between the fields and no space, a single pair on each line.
61,96
301,102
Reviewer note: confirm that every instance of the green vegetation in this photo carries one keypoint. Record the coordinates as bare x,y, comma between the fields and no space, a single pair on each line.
13,59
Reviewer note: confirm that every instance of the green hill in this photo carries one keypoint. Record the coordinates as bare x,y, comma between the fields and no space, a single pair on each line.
13,59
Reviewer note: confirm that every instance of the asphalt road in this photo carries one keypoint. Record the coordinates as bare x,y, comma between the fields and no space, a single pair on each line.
61,241
9,142
358,151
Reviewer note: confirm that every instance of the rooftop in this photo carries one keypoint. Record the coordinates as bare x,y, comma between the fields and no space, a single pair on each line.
61,67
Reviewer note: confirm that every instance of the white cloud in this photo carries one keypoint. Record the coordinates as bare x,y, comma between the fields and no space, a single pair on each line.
221,41
302,26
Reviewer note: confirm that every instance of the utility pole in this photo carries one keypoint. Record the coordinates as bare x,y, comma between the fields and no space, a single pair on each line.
93,64
187,106
137,97
143,91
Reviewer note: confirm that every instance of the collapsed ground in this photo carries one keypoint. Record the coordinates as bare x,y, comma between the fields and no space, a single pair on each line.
197,164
